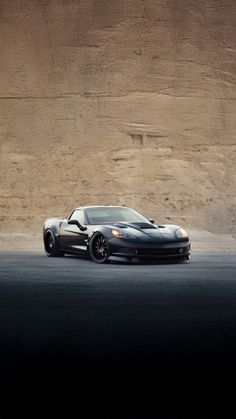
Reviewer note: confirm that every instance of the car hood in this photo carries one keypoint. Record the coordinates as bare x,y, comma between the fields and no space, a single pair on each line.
150,231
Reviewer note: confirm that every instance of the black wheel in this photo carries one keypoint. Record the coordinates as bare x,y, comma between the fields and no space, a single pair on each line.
98,247
51,246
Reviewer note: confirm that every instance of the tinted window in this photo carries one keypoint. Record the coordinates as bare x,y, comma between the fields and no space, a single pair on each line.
78,215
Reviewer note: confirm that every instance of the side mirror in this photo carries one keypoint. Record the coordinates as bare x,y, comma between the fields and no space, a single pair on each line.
76,223
151,221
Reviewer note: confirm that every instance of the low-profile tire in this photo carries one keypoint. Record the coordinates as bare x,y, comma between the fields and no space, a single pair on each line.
50,245
98,248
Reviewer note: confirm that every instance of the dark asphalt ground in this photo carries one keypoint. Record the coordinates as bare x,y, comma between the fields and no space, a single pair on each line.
82,340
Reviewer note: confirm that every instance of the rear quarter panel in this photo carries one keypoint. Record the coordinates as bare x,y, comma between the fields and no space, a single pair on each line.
52,224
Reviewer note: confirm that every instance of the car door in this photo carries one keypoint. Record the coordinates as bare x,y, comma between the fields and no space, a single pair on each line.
71,237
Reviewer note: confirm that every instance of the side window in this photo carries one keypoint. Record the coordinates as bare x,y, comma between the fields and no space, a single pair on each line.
78,215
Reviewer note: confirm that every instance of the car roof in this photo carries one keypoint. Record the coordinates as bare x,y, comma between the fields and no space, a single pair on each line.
99,206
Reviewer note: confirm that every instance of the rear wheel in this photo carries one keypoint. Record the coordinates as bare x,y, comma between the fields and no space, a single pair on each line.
50,245
99,250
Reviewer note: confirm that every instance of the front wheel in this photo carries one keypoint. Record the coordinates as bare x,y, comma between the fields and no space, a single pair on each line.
98,248
50,245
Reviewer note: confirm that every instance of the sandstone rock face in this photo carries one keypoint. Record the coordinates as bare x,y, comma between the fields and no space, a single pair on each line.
118,102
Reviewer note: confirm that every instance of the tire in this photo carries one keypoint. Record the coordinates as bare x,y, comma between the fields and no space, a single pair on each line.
98,248
50,245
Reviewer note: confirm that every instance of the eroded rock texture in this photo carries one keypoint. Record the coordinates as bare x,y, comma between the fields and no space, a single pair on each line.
118,102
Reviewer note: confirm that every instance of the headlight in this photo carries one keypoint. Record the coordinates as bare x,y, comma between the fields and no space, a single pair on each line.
122,234
181,233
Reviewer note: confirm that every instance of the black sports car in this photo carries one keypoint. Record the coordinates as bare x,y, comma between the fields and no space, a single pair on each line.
105,232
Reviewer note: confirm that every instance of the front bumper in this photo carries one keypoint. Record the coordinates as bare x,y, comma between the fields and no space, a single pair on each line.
151,250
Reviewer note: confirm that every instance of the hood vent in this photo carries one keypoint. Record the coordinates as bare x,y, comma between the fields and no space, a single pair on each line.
138,226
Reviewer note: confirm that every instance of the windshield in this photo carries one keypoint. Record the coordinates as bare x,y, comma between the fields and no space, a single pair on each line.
111,215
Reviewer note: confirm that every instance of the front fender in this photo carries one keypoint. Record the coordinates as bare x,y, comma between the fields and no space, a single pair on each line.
105,230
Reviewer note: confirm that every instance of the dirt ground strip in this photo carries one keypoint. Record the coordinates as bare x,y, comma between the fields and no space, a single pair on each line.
201,241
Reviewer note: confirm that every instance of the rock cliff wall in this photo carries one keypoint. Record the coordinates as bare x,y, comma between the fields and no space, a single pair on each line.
118,102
